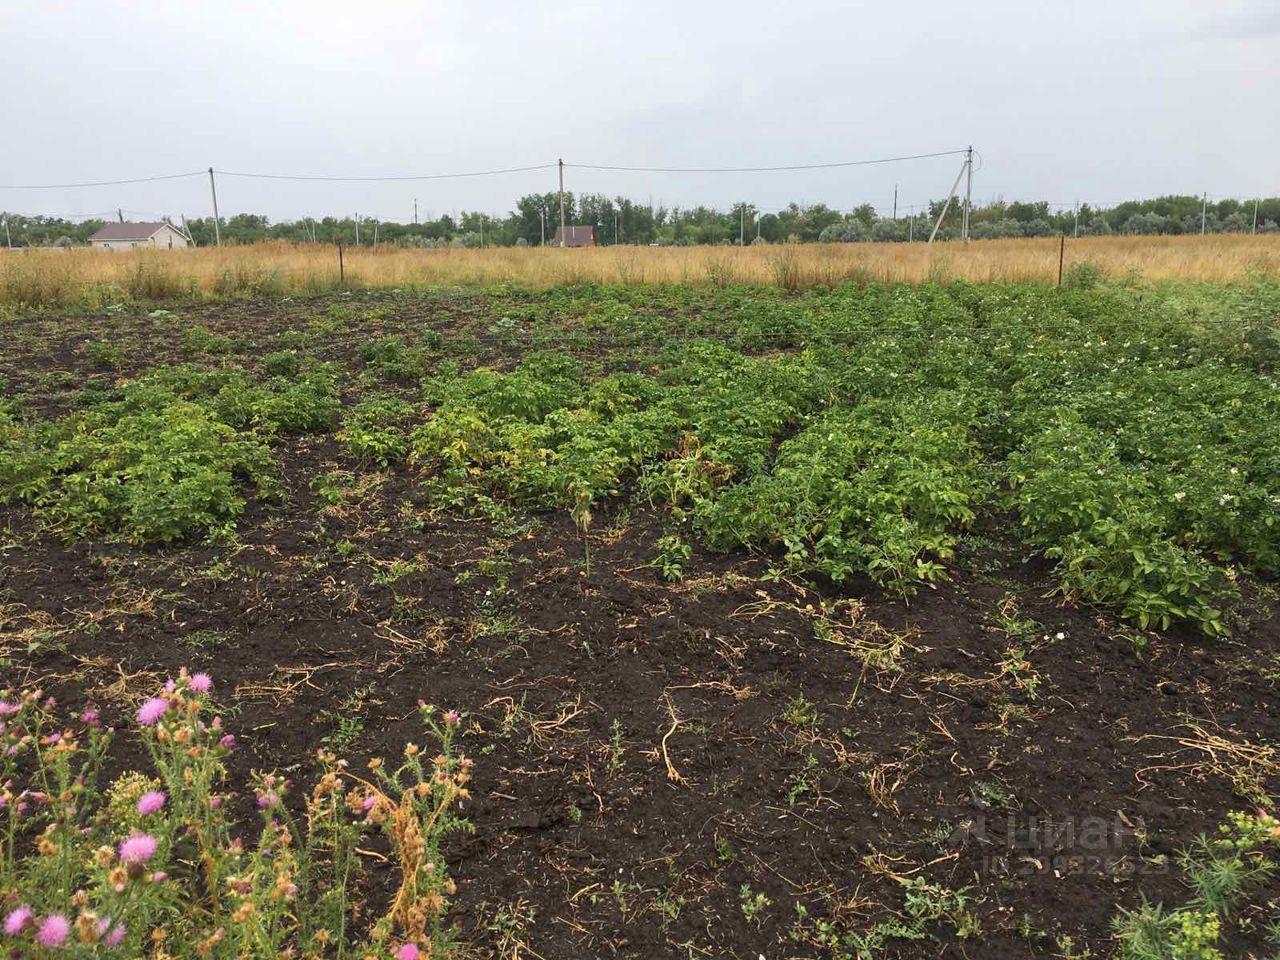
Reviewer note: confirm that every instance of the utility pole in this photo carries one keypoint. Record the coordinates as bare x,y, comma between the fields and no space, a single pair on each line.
742,225
1075,233
119,214
563,232
1204,208
542,215
895,203
1255,214
357,229
951,195
968,190
375,233
213,192
415,211
8,240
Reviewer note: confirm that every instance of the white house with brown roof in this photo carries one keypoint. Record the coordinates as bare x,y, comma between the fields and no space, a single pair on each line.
131,236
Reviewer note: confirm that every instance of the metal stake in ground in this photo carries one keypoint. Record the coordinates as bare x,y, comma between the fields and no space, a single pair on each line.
342,274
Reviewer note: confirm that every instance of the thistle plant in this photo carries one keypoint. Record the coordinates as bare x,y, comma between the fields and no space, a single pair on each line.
154,865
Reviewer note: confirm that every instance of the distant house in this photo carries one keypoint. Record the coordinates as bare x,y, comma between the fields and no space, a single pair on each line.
128,236
575,237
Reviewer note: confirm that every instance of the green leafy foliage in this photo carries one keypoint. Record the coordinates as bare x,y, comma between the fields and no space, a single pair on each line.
859,430
376,430
161,458
879,489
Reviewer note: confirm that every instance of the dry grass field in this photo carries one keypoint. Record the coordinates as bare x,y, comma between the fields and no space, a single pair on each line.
38,278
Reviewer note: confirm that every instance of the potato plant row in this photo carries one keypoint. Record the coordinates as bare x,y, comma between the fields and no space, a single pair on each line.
1132,438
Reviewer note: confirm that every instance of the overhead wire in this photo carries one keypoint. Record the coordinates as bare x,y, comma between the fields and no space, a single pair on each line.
365,179
774,169
98,183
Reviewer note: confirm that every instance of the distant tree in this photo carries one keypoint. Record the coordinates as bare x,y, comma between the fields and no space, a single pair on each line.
1146,223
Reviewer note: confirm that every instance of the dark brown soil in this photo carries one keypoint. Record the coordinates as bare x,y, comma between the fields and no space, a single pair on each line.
824,742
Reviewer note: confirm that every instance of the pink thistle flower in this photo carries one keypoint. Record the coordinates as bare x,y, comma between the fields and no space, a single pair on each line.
90,717
8,709
113,938
200,682
228,742
452,718
160,876
17,921
408,951
138,848
150,802
267,799
170,686
368,803
150,712
53,932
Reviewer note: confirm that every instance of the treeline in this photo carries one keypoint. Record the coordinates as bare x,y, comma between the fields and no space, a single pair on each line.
620,220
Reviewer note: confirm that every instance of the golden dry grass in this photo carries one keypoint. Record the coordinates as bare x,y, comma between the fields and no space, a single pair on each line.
33,278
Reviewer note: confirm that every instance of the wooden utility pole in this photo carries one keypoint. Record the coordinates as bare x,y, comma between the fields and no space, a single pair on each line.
895,203
415,211
1255,214
742,225
563,232
1204,208
213,192
1062,252
342,273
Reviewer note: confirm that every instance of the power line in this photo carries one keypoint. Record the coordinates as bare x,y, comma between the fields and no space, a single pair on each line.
425,176
96,183
798,166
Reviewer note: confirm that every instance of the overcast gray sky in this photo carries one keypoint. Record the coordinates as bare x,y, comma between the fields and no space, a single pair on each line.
1092,99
